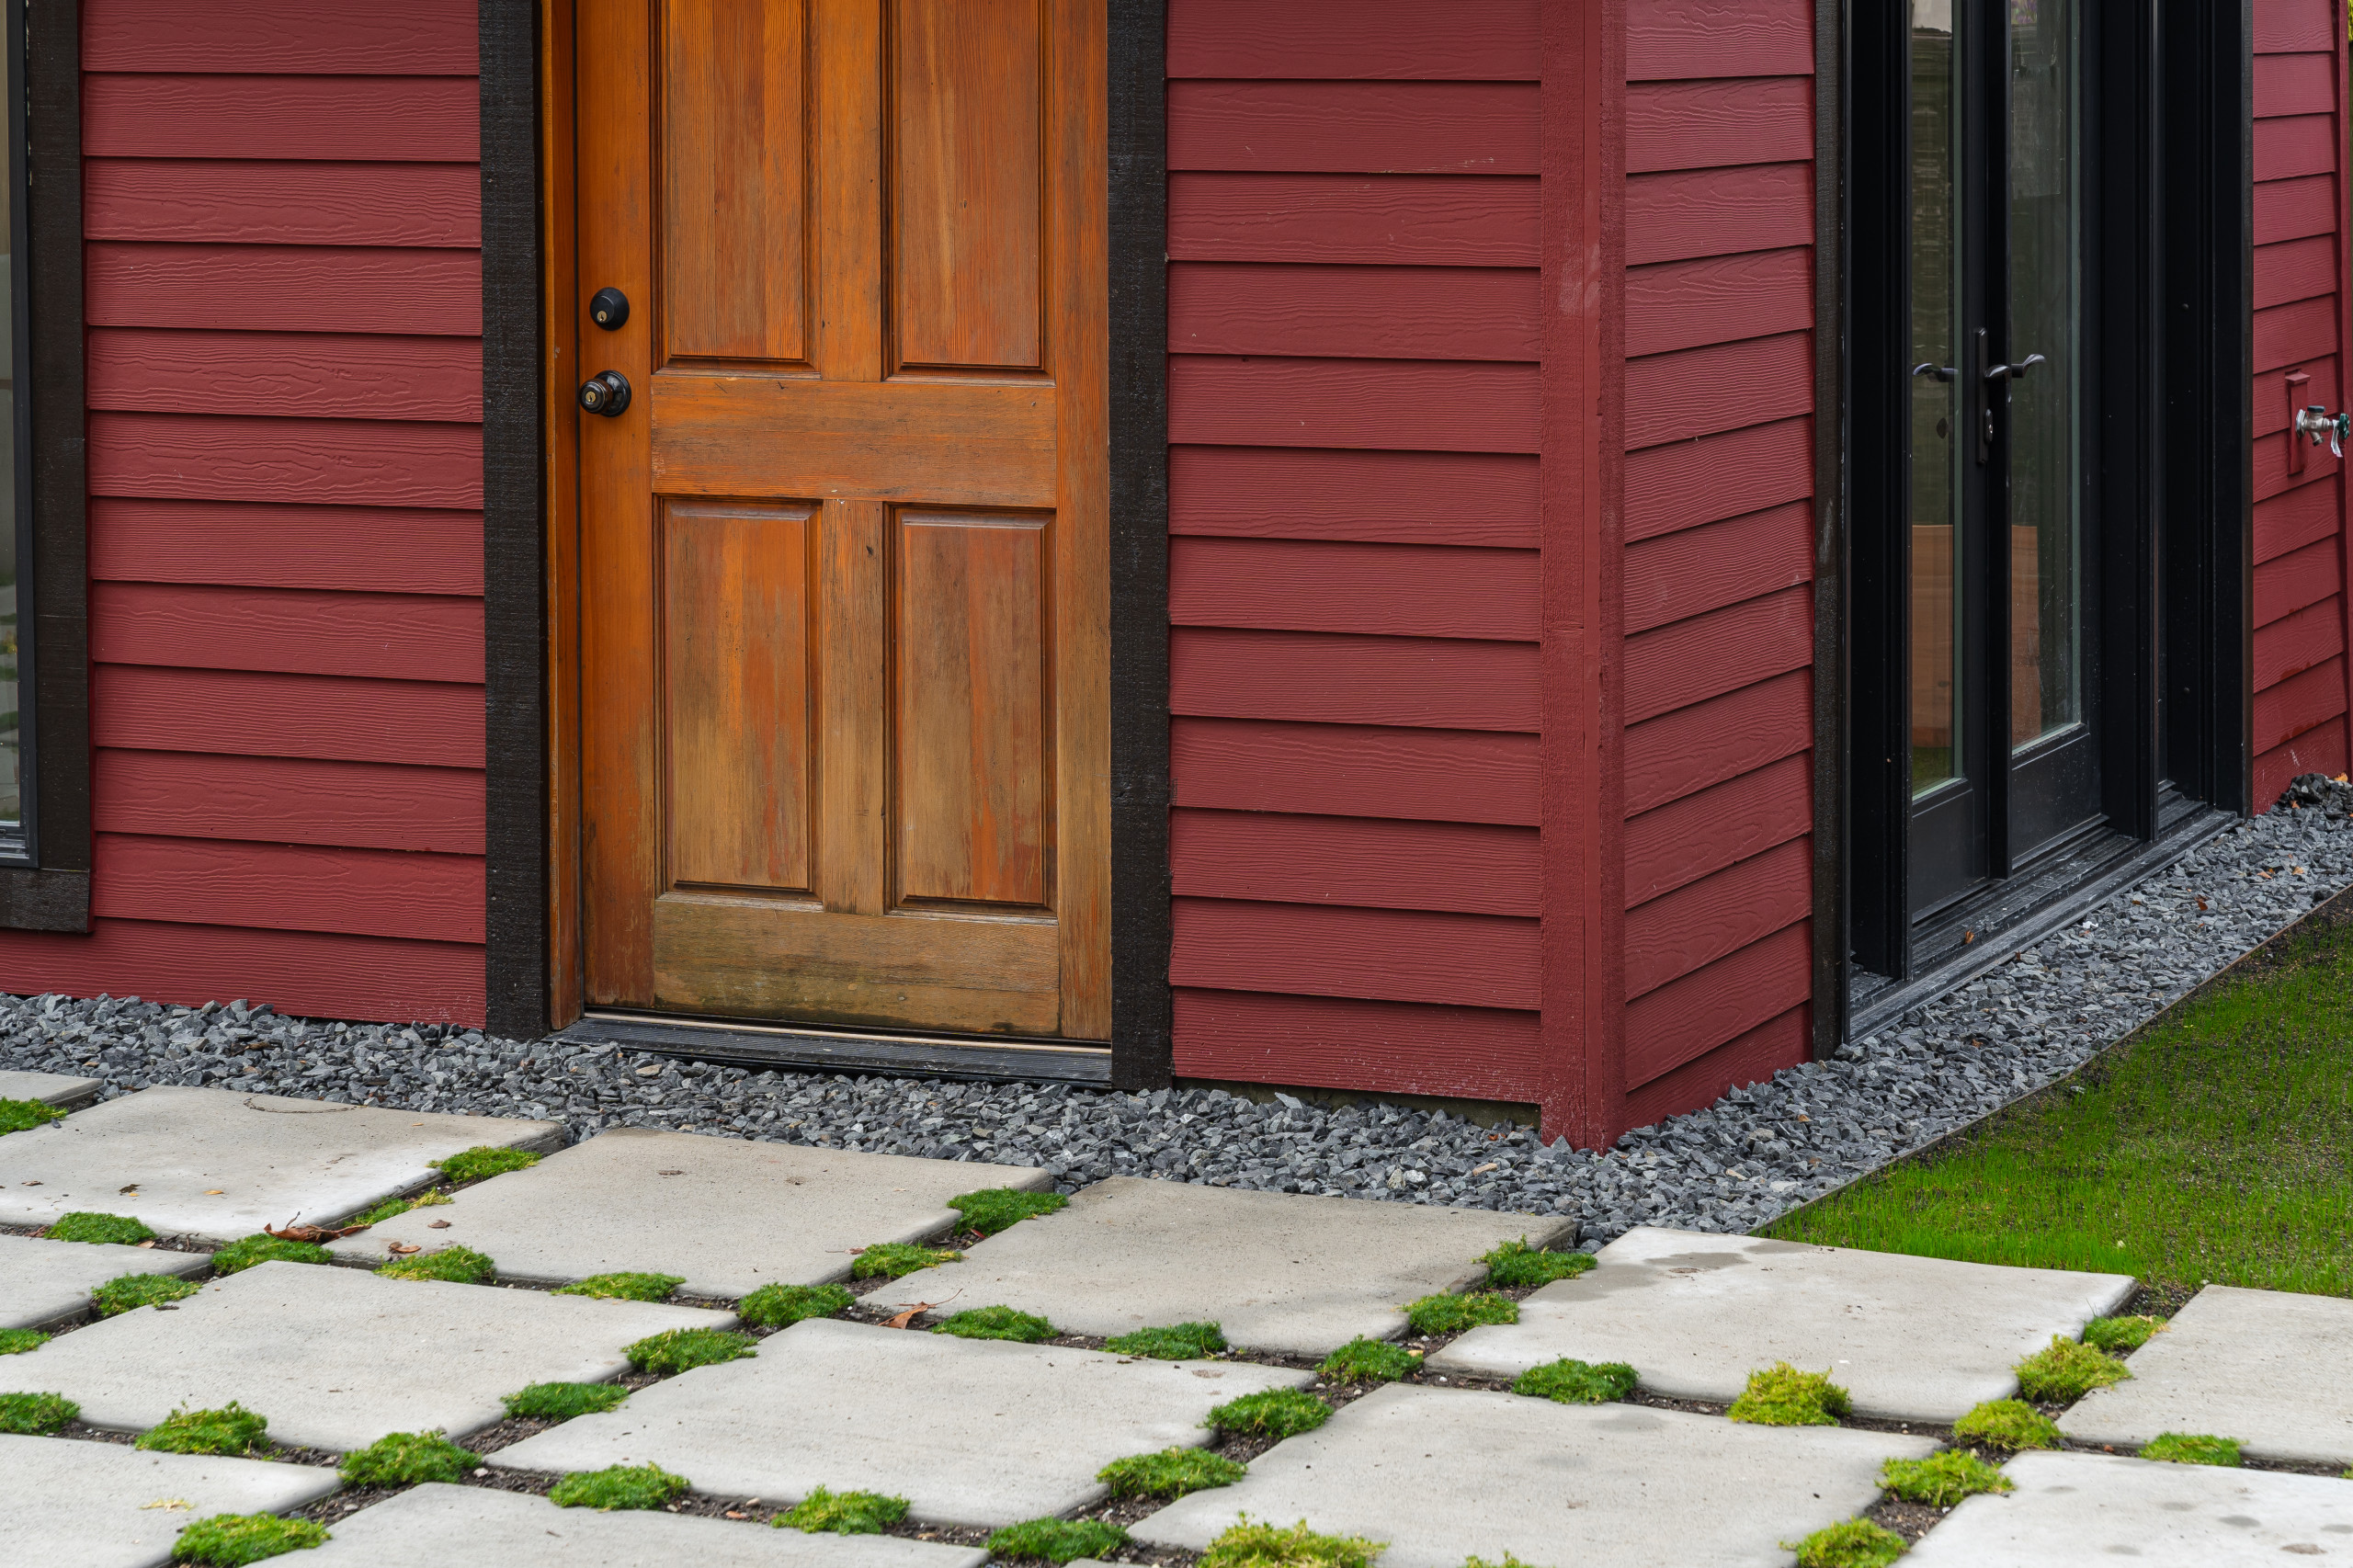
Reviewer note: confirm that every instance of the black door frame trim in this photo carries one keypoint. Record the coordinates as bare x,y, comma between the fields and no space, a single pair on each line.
515,502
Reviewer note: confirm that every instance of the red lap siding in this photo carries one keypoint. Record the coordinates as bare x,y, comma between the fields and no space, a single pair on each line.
282,217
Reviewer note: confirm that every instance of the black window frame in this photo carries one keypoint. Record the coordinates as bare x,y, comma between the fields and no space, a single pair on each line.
45,879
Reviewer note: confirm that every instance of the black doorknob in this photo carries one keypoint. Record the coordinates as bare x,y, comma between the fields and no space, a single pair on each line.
606,393
608,308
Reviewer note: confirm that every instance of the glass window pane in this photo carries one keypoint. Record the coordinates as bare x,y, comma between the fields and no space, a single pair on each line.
12,626
1936,407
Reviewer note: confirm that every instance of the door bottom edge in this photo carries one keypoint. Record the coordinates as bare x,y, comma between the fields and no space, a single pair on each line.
976,1059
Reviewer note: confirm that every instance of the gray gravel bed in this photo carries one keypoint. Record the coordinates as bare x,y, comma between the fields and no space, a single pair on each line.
1730,1167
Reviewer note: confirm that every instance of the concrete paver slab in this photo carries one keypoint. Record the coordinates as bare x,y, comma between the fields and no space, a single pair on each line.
67,1504
1917,1338
2265,1367
974,1432
1442,1474
729,1215
436,1526
46,1282
1279,1271
60,1090
336,1358
218,1166
2096,1510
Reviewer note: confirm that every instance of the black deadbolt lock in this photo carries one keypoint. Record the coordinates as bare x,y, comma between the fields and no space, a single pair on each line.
608,308
606,393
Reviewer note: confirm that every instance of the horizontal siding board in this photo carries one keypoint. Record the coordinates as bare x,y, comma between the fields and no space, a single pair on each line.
2321,750
383,118
282,203
299,974
1384,955
2299,145
2294,269
2294,518
1698,392
284,287
1699,835
1752,1058
2297,642
392,550
1481,127
1476,40
1428,683
1700,212
1466,775
1683,304
1420,404
426,38
2294,83
235,458
2287,584
1706,124
2285,334
1678,1022
357,805
1380,220
2275,410
1311,585
285,887
263,713
1373,312
1697,570
1672,936
1462,498
1667,40
1680,753
297,375
1686,483
2270,467
1723,651
388,636
1362,862
2301,702
1397,1048
2284,26
2291,209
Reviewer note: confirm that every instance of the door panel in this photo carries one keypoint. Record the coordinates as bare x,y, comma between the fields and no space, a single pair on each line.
845,721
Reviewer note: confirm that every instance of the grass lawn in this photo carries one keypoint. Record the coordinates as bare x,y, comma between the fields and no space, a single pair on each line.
2216,1146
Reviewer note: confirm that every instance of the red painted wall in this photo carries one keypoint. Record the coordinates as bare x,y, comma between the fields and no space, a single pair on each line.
2300,326
1353,587
282,219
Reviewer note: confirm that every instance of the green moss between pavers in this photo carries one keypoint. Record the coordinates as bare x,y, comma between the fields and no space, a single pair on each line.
2008,1424
1508,1561
1057,1540
780,1306
1515,1264
562,1402
2121,1333
1450,1313
1850,1543
115,1229
1781,1395
1173,1342
1171,1472
1249,1543
407,1458
483,1160
16,1341
454,1265
625,1286
231,1430
2189,1447
683,1349
842,1513
22,1116
997,1323
1942,1479
1571,1381
232,1541
248,1251
2066,1369
894,1260
1363,1360
994,1208
432,1198
125,1292
37,1414
617,1486
1276,1413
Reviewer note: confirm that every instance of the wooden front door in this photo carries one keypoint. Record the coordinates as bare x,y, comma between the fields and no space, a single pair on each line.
844,595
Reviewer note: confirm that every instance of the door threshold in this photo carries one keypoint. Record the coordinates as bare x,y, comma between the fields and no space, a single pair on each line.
799,1048
1966,938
